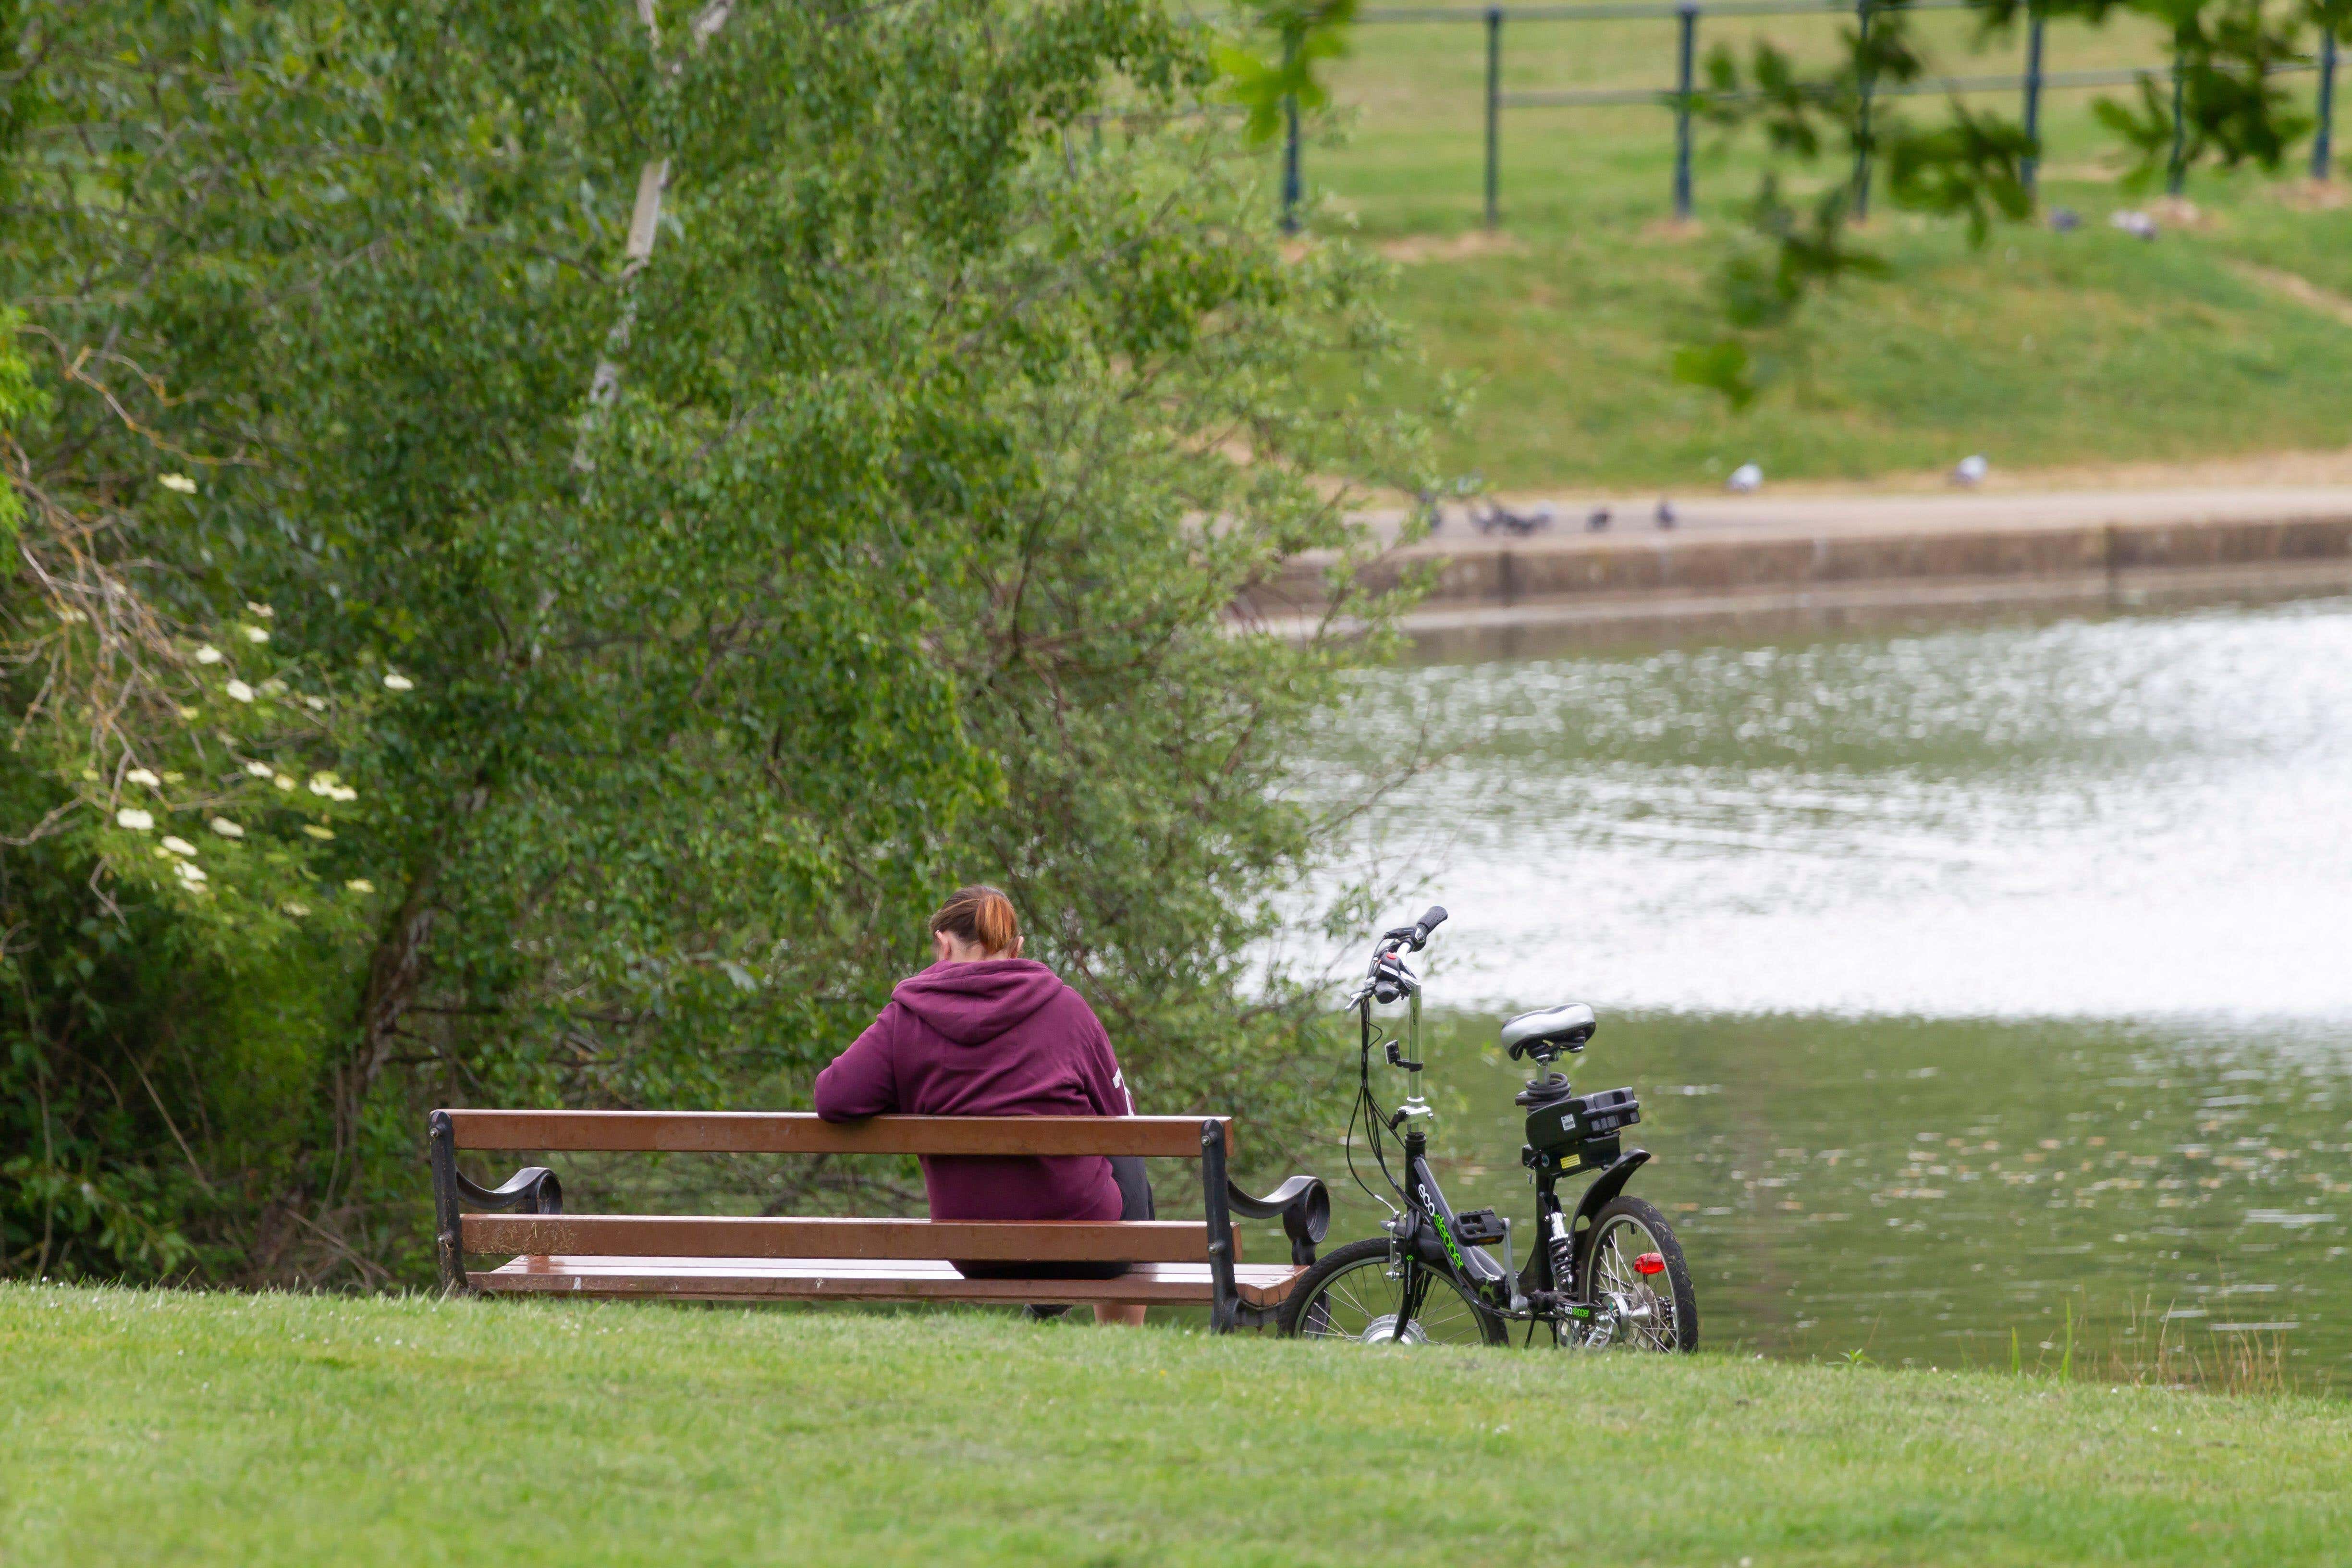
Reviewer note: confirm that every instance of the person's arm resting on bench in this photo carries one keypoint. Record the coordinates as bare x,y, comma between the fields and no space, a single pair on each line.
862,1080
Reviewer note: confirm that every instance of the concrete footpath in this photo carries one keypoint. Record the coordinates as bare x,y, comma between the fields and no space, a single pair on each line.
1764,563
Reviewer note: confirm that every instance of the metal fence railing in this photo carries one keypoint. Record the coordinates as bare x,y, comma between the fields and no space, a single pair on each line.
1686,96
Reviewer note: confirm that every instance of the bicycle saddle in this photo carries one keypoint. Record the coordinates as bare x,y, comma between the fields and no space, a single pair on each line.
1547,1031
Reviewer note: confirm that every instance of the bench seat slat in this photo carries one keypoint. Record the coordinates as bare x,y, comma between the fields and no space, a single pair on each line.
702,1235
831,1278
803,1132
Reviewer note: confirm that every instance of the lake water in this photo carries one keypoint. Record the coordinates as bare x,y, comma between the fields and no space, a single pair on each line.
1974,980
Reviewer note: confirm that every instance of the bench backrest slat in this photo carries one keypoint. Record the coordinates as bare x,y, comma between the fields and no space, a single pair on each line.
641,1235
802,1132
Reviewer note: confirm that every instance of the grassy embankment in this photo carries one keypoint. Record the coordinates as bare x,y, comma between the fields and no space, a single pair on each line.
164,1428
2043,349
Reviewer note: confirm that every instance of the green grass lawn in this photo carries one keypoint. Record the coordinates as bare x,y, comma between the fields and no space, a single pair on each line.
159,1428
2042,349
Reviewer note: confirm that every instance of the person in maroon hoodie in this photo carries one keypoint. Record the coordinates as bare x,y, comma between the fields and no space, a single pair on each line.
986,1032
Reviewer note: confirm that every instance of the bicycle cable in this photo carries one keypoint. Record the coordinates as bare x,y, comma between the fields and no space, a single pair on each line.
1368,1111
1374,1127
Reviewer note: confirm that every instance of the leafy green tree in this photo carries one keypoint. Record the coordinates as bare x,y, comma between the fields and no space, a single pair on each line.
725,474
2234,108
1303,35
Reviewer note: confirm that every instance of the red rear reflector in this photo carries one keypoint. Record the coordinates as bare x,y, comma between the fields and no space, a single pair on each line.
1650,1263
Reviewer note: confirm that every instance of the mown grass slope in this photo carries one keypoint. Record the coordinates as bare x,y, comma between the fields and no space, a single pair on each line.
2227,336
167,1428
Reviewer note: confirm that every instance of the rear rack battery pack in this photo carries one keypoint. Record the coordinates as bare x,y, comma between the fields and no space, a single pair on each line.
1581,1117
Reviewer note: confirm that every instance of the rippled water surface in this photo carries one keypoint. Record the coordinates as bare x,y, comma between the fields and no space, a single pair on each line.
1974,980
2124,818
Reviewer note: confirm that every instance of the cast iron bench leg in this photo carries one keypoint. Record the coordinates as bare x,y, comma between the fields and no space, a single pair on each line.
1224,1304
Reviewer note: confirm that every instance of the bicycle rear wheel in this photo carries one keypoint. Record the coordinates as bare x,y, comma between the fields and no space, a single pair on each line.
1633,1264
1350,1296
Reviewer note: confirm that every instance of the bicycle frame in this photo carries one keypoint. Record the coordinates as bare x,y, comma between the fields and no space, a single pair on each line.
1427,1233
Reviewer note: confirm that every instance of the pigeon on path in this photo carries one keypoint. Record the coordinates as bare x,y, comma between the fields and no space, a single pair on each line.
1745,479
1500,517
1666,513
1599,522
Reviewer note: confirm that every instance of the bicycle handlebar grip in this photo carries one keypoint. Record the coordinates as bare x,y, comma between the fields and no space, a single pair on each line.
1427,923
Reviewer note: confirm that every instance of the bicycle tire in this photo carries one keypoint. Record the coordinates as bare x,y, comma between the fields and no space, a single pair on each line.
1340,1286
1625,1215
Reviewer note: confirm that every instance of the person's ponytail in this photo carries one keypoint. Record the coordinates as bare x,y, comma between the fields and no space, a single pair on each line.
981,915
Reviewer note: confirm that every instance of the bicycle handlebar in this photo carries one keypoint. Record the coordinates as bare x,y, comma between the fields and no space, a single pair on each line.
1412,938
1387,969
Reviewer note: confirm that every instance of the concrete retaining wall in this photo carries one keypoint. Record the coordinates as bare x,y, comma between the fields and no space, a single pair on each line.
1658,579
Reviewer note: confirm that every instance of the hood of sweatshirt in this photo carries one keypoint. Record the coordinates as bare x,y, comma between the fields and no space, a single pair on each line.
972,1003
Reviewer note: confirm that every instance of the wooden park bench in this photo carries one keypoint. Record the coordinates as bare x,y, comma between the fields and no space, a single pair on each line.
759,1257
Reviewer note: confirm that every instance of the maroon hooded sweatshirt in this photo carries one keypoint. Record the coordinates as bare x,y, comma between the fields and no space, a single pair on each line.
1000,1037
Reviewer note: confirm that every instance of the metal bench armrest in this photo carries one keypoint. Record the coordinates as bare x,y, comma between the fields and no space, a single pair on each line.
1304,1205
1303,1202
533,1190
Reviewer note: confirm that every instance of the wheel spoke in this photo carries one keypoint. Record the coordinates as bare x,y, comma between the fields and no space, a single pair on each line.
1361,1302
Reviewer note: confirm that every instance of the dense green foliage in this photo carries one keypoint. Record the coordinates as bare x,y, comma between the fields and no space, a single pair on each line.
169,1426
708,481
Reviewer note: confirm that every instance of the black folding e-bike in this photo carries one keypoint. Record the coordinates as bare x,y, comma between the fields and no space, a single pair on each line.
1607,1272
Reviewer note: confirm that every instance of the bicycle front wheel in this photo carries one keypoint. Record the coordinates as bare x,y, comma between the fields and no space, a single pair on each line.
1351,1295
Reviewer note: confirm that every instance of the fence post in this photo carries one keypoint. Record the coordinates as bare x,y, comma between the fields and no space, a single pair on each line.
1687,13
1861,126
2032,162
2177,174
1290,179
2323,139
1494,115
